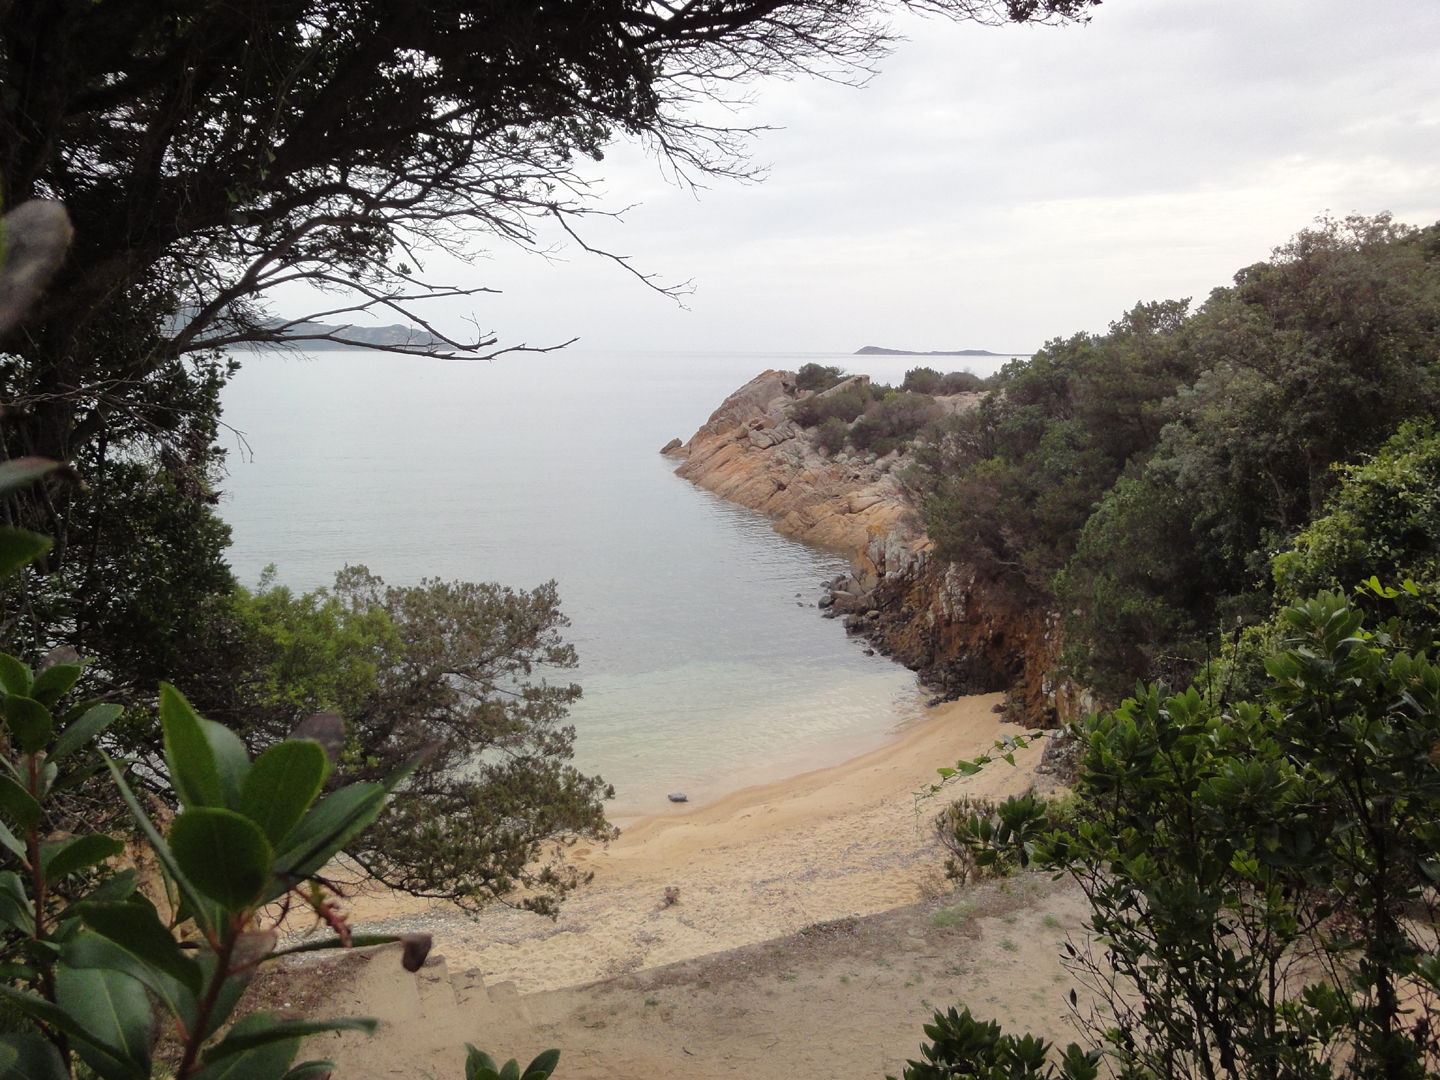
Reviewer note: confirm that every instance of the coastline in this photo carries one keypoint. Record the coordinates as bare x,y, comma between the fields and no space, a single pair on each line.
759,863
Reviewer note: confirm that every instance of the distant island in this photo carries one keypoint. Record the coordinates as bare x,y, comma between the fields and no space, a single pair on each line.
876,350
307,336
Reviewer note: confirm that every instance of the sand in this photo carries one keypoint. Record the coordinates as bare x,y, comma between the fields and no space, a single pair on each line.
808,922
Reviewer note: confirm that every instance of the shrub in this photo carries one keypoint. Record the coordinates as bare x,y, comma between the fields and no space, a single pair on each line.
988,839
893,421
960,382
922,380
846,406
818,377
830,436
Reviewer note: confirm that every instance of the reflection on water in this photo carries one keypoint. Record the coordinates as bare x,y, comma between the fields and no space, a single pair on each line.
704,662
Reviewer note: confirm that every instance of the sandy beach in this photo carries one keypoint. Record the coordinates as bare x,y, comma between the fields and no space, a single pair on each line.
808,898
757,864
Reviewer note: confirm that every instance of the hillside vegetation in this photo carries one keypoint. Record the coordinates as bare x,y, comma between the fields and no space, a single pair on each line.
1141,481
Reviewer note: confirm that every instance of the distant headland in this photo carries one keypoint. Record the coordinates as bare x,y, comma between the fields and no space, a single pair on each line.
877,350
314,336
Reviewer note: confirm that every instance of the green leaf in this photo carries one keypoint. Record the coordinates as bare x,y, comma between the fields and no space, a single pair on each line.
8,839
114,1009
223,854
18,547
92,723
510,1070
90,950
282,784
15,906
262,1033
19,804
116,887
543,1065
188,895
14,675
60,1019
267,1061
333,822
194,771
479,1065
231,758
55,682
30,1056
138,930
77,853
29,721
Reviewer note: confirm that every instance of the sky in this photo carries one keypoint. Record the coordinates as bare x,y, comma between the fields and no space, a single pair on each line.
993,188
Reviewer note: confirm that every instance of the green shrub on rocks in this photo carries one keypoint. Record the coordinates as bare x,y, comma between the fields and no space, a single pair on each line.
818,377
830,436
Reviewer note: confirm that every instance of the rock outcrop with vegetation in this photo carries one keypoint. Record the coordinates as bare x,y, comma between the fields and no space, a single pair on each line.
961,635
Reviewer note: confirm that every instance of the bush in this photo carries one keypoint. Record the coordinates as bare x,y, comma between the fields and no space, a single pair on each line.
830,436
922,380
988,839
818,377
1224,848
846,406
893,421
960,382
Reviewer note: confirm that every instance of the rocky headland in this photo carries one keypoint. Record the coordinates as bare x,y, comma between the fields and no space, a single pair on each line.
960,633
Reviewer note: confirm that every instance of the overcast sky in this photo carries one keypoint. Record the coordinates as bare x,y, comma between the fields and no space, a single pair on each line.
994,188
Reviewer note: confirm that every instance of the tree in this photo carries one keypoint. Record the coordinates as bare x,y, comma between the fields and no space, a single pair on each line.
1008,487
1262,878
1383,521
453,669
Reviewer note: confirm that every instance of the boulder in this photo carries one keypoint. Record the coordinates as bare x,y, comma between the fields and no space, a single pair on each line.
671,446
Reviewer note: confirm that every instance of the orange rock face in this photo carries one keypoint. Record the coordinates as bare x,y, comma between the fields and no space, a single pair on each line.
751,453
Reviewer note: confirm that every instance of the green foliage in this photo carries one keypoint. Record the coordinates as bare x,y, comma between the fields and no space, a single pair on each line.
1261,876
892,421
963,1048
818,377
481,1066
844,406
88,958
830,435
922,380
960,382
1008,486
1140,481
985,838
1383,520
451,667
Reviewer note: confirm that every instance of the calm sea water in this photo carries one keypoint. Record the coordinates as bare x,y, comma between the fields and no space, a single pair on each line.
704,663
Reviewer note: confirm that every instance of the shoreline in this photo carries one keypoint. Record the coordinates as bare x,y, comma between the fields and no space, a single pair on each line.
758,863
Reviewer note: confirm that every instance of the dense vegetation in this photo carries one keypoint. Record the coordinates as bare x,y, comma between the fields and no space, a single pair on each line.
872,417
1261,874
1140,480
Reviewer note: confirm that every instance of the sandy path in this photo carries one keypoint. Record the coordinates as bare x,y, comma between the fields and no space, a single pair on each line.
758,864
797,946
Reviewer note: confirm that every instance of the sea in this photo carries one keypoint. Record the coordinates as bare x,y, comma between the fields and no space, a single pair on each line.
705,664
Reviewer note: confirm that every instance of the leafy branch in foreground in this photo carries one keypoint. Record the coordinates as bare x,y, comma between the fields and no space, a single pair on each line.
86,953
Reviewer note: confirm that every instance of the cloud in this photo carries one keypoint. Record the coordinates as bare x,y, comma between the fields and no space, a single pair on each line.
992,188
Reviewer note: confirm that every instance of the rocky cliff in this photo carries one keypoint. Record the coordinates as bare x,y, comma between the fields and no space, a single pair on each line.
963,635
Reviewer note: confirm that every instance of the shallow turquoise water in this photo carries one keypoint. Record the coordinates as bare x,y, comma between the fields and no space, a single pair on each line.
701,668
